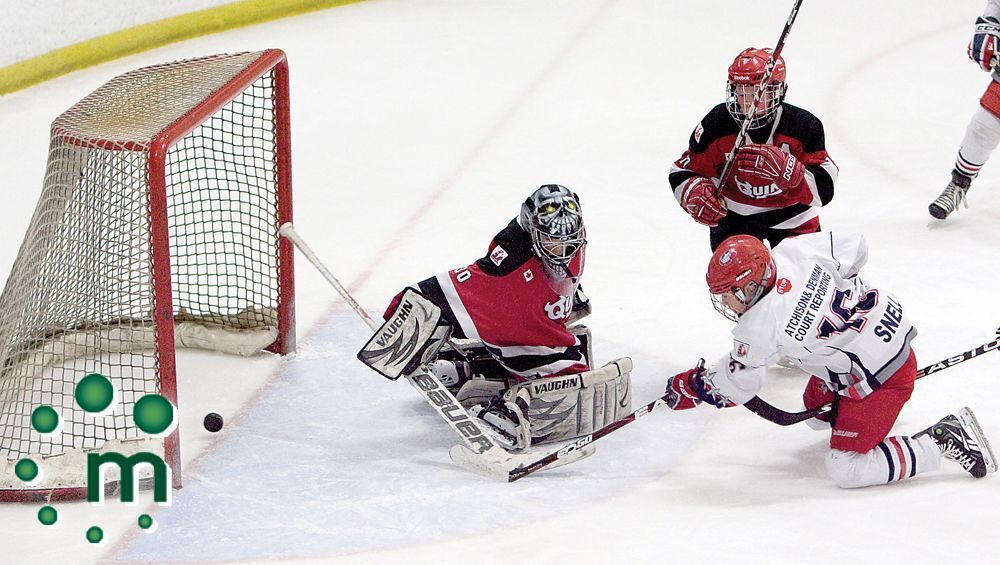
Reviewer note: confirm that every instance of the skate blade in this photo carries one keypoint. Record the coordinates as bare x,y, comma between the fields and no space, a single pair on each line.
967,418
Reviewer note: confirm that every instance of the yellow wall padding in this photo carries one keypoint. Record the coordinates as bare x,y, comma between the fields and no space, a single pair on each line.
152,35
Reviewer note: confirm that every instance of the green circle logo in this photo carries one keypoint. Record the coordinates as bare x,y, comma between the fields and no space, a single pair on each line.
95,393
146,521
48,515
153,414
26,470
45,419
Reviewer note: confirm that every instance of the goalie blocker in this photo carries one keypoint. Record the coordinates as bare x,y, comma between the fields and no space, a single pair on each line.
410,337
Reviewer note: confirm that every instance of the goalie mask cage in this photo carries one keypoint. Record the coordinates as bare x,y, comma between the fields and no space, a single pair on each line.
157,227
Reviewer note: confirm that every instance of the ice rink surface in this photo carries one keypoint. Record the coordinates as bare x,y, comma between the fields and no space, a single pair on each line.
418,128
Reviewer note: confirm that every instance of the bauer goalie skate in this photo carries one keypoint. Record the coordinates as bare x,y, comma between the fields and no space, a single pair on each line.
507,419
962,441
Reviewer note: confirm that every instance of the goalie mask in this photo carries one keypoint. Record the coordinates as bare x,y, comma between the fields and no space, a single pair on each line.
745,75
740,273
553,218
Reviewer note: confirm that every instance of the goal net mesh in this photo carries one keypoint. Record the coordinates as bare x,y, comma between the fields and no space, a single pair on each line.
81,296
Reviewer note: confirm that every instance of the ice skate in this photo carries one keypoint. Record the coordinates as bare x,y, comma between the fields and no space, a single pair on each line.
952,196
507,419
962,441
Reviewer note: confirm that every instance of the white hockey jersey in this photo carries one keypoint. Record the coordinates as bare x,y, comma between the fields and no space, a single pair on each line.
823,317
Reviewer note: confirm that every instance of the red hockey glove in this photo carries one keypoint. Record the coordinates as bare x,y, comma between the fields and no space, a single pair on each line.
983,47
699,199
762,165
817,394
686,390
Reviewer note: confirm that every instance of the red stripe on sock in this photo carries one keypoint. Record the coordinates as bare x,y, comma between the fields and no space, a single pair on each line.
899,454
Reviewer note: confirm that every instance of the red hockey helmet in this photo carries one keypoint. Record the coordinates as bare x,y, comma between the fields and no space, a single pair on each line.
745,74
740,272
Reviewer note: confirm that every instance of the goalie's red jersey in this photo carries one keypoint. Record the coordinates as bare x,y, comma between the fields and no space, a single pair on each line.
510,302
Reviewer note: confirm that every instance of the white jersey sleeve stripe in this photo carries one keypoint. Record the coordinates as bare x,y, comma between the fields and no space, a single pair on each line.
544,370
457,306
870,381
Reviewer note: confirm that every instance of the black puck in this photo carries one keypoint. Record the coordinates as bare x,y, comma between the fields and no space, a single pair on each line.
212,422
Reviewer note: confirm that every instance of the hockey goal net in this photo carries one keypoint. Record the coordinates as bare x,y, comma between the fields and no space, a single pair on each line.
157,227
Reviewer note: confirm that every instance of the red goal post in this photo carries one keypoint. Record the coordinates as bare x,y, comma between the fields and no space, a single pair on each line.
157,228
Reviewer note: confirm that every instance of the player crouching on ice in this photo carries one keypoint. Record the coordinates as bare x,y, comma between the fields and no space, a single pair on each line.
805,301
514,358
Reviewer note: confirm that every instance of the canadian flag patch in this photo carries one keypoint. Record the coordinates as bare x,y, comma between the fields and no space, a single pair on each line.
498,255
697,132
528,276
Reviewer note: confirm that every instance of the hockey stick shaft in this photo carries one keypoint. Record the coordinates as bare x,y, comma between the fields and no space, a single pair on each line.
582,442
961,358
287,230
586,440
782,418
758,94
428,385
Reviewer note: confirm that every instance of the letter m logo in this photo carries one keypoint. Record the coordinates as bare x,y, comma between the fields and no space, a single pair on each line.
126,467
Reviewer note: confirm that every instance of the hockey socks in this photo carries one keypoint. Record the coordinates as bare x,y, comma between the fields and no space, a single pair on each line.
894,459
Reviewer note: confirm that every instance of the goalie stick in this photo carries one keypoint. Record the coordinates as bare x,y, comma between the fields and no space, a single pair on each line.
428,385
782,418
768,69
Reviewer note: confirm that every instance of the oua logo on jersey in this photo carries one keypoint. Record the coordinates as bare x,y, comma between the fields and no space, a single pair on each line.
97,397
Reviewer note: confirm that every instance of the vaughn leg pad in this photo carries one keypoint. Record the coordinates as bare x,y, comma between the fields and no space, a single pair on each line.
574,405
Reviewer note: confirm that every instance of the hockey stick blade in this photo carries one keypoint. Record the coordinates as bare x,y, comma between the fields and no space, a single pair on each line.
514,466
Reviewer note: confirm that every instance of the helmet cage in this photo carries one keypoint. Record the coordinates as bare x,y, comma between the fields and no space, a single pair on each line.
741,271
748,296
745,75
767,106
553,218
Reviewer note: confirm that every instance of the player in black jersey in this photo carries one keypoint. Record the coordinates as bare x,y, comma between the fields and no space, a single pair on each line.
781,175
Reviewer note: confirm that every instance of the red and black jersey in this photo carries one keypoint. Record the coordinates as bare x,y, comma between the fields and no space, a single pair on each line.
510,302
796,132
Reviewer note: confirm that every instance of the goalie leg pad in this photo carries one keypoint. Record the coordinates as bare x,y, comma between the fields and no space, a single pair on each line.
411,336
574,405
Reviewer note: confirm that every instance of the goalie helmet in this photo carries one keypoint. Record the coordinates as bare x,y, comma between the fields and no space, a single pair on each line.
741,269
553,218
745,74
